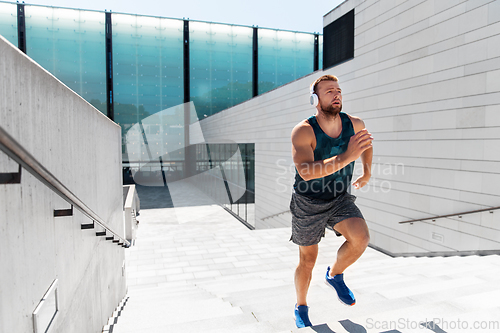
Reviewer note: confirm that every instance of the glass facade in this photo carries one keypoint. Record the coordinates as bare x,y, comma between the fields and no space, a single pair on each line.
220,65
70,44
148,59
8,22
148,76
284,56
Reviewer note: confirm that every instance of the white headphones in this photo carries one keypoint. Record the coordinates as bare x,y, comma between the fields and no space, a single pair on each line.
313,98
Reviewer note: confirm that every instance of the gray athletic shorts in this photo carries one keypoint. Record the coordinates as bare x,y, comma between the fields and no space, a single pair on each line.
311,216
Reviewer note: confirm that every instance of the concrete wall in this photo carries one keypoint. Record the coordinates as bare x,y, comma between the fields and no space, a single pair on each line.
426,80
82,148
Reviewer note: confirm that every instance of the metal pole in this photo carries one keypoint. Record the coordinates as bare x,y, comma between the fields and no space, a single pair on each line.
21,28
255,63
109,67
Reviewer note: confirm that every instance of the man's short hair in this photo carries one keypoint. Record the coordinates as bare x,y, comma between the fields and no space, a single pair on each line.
327,77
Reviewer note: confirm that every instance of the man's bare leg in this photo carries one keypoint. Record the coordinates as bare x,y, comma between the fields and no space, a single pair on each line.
303,273
357,238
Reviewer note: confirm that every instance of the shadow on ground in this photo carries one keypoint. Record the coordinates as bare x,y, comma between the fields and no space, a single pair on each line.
323,328
173,195
347,324
154,196
352,327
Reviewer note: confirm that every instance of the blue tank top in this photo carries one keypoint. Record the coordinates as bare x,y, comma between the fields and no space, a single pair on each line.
331,186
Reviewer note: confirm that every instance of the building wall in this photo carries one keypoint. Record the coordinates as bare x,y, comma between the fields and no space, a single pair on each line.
425,79
82,148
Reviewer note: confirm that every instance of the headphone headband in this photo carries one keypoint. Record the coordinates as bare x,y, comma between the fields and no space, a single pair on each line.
313,85
313,98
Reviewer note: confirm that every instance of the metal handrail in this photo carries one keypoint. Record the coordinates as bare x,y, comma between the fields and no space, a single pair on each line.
456,214
268,217
15,151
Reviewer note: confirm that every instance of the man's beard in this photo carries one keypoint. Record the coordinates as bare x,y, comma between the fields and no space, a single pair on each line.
330,110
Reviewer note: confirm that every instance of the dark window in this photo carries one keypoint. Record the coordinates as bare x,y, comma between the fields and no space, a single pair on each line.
338,40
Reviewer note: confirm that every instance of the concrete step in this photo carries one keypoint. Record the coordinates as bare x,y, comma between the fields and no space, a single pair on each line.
263,302
242,283
492,259
276,308
264,295
215,324
484,299
164,290
386,263
258,327
139,316
360,281
192,295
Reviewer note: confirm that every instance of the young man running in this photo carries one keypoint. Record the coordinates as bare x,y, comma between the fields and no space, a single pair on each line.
324,148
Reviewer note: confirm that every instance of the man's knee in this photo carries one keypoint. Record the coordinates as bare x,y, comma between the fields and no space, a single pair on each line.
356,232
308,257
362,239
307,263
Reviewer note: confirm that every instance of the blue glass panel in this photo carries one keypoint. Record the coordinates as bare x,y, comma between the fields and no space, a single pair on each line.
70,44
221,66
283,57
148,78
8,22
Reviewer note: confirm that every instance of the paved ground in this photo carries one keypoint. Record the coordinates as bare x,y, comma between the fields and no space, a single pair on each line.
195,268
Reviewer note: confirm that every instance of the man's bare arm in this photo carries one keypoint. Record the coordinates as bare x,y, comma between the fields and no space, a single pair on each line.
366,156
303,153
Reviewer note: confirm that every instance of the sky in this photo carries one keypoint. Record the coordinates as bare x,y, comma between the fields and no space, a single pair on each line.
295,15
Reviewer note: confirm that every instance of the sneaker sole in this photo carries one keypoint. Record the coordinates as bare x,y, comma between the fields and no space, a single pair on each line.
294,321
341,301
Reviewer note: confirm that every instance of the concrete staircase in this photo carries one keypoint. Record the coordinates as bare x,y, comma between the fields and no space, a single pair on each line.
197,269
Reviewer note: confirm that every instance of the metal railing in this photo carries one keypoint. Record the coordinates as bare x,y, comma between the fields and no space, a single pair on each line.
207,189
15,151
434,218
274,215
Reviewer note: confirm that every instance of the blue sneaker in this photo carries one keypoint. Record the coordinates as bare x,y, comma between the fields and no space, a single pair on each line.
337,282
301,316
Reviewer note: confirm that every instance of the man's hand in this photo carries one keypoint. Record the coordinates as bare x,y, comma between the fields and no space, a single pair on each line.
361,181
358,143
